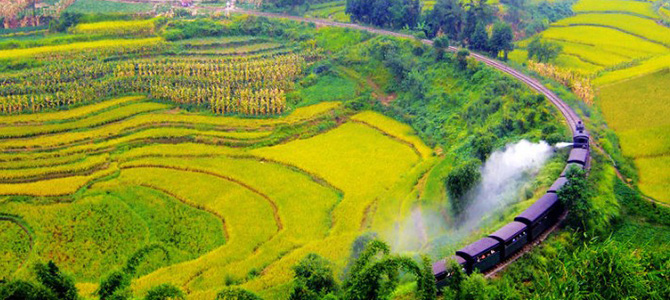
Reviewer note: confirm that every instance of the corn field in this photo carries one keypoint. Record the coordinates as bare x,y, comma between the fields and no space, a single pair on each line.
577,83
243,85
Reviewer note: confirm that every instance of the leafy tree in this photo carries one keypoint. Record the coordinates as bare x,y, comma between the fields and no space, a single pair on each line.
462,58
441,44
64,22
426,288
235,293
51,277
114,286
474,287
24,290
543,51
446,17
459,181
313,278
501,39
575,196
482,144
164,292
480,39
375,273
385,13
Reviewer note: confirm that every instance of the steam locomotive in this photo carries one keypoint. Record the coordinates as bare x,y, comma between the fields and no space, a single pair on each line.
527,227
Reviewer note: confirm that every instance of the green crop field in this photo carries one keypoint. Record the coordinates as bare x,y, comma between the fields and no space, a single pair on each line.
215,196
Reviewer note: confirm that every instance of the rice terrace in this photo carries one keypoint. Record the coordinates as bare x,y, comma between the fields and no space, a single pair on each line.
347,149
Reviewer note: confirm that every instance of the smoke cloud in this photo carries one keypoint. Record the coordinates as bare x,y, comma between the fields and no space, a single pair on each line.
504,175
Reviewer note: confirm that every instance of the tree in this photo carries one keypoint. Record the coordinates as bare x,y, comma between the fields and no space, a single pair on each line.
65,21
544,51
164,292
235,293
474,287
575,196
480,39
462,58
501,39
51,277
24,290
113,286
375,273
447,17
425,287
482,144
441,44
313,278
459,181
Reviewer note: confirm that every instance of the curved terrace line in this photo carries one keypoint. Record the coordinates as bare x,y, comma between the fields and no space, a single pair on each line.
275,209
613,28
226,235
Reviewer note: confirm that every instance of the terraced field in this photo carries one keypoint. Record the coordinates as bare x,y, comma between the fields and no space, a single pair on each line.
234,207
623,50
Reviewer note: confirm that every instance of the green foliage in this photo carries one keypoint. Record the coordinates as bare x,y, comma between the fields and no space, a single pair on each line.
575,196
502,39
51,277
64,22
543,51
185,29
114,286
24,290
474,287
165,292
235,293
426,289
313,278
385,13
459,181
480,39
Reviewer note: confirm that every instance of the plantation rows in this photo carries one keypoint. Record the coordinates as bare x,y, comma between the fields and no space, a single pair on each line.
250,85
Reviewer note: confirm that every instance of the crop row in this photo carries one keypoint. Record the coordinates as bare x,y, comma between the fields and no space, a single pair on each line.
138,27
256,86
101,48
87,165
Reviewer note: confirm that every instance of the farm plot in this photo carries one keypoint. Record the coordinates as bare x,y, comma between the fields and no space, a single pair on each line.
637,109
640,8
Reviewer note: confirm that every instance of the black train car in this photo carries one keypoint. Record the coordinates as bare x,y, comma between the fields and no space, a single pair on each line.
581,138
579,156
558,184
483,255
542,214
512,237
441,272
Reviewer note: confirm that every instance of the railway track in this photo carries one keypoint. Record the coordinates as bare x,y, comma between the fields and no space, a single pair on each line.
568,113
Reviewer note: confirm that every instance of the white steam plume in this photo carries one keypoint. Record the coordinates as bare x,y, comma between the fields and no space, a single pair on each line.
504,174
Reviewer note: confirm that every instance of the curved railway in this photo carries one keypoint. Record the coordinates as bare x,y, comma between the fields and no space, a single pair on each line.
493,253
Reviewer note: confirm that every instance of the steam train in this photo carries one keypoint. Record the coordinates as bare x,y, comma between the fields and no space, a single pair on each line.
527,227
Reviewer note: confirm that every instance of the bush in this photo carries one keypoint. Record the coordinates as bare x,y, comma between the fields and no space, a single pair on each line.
313,278
235,293
575,196
165,291
459,181
51,277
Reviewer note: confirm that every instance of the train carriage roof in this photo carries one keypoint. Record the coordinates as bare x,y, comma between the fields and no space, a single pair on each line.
538,209
558,184
578,155
477,248
440,266
509,231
